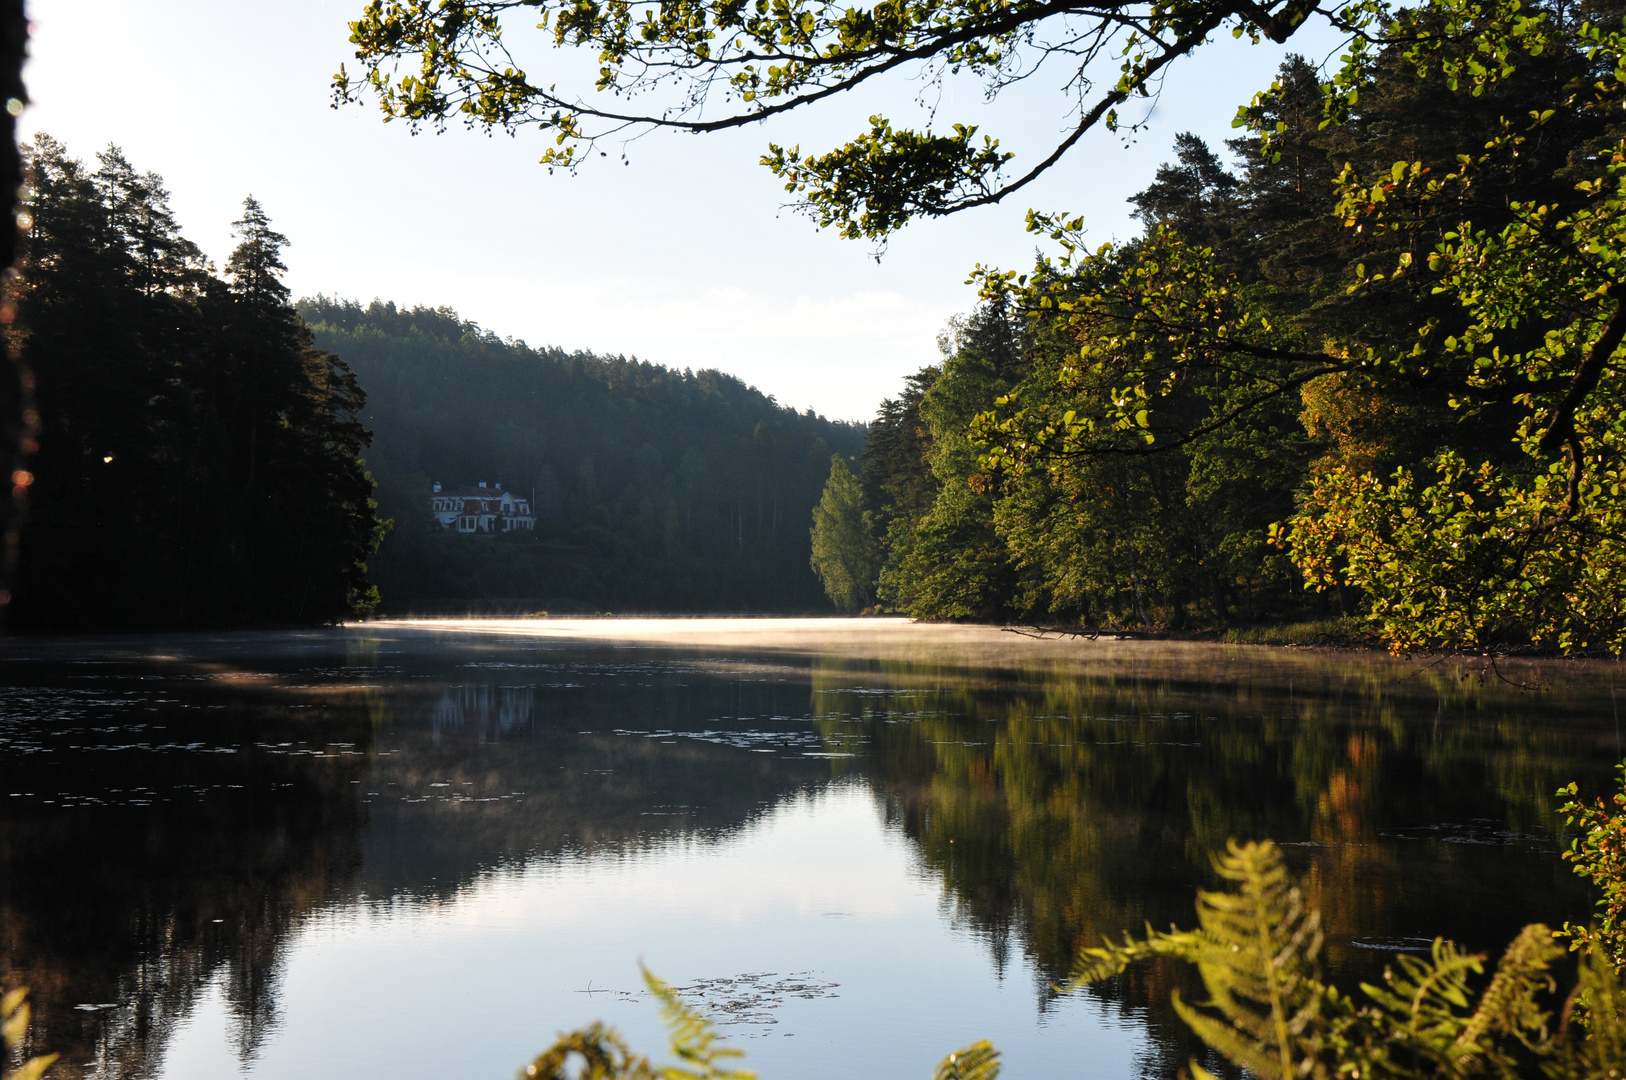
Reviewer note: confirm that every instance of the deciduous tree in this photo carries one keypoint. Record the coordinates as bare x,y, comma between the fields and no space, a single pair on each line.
711,65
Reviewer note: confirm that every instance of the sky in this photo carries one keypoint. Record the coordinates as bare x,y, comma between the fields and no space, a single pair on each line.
685,256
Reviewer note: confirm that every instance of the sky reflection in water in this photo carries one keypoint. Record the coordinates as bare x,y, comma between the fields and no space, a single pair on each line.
422,849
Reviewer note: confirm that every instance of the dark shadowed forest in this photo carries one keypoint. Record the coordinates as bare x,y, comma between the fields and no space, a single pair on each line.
656,489
206,454
198,459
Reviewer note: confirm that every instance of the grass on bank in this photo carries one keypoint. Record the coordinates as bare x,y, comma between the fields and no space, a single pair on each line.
1340,631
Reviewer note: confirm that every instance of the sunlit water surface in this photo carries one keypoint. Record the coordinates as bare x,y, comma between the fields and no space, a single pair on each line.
423,849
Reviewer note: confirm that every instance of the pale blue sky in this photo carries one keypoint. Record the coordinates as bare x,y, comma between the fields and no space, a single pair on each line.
684,257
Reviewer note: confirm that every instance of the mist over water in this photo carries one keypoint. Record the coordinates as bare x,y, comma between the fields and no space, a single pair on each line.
424,848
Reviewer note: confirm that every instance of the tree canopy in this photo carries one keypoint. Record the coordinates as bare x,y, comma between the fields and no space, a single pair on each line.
1468,293
711,65
1378,358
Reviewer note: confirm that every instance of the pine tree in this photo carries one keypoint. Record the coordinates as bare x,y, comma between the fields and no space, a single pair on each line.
200,461
844,554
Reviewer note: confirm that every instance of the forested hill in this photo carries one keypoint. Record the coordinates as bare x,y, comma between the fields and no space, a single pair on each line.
658,489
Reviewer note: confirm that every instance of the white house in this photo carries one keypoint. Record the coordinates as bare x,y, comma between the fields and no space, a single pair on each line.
482,509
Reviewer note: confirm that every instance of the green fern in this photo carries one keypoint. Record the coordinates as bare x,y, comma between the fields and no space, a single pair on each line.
695,1041
1269,1012
1256,950
604,1055
1597,1006
1425,1020
13,1026
979,1061
1509,1006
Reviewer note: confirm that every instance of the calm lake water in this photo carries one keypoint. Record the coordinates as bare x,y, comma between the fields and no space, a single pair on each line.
423,849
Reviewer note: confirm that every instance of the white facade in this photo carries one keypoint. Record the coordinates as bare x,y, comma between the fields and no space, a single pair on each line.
482,509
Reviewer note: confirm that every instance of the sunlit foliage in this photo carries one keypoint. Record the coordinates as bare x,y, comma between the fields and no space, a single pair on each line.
845,554
1598,853
710,65
1442,327
1269,1012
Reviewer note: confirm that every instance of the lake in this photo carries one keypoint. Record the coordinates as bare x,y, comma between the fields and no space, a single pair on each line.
423,849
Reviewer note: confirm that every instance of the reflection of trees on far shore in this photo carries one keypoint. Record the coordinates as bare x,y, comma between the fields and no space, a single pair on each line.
119,914
1061,809
484,776
190,831
185,821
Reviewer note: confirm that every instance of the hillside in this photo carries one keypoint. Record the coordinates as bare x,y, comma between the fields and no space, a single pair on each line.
656,489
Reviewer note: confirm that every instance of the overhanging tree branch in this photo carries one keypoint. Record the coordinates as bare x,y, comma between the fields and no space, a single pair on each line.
432,61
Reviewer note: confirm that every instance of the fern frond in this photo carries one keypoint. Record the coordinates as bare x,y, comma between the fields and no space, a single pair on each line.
1508,1005
1427,1022
33,1068
1097,964
14,1014
1426,1000
1257,962
603,1053
695,1042
13,1018
1256,949
979,1061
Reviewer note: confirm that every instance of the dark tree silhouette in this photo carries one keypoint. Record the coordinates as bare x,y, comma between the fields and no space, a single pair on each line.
15,431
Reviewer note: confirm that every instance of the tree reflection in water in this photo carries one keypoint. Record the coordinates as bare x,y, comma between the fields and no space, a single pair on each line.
1058,811
176,821
154,872
168,823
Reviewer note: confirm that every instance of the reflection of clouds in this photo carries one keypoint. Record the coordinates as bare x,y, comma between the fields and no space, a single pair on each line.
485,711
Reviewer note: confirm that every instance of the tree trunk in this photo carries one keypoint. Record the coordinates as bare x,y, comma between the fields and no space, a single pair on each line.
17,420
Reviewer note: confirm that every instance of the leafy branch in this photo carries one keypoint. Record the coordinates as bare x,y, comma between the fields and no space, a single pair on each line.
714,65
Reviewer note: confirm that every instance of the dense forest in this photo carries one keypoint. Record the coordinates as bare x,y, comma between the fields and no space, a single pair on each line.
656,489
199,453
197,460
1365,356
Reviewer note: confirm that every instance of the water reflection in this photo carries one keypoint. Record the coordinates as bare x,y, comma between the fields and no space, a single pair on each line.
489,712
175,818
145,859
1062,812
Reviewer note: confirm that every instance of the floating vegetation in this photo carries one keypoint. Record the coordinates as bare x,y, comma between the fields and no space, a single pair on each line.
1483,831
745,1000
1393,944
765,742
